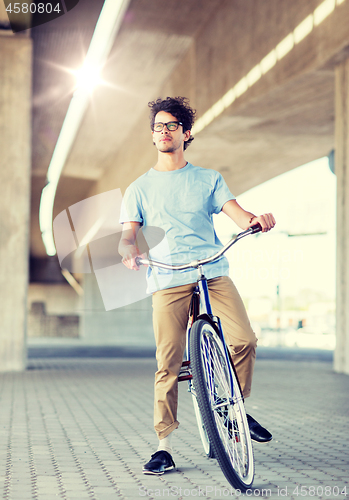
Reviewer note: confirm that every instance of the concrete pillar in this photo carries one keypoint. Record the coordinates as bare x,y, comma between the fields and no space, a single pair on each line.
15,161
341,357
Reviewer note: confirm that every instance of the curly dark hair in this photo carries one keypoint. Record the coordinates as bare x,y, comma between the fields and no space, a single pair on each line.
179,108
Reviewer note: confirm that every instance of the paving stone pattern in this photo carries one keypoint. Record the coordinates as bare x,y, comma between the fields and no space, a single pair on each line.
82,429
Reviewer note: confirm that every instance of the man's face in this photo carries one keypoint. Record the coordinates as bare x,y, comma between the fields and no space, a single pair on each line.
166,141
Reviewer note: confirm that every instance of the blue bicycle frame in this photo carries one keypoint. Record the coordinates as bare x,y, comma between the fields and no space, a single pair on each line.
201,292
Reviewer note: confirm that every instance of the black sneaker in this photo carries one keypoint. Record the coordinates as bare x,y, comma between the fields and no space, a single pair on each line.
159,463
258,433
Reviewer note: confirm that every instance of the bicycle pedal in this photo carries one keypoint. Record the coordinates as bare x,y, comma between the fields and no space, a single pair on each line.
185,372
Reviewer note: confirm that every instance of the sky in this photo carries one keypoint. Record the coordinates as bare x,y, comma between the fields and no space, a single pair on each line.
302,201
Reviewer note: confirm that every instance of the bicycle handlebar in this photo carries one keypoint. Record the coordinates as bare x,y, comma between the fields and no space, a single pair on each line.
196,263
257,228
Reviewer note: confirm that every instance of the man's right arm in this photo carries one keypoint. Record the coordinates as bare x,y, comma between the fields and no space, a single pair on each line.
128,244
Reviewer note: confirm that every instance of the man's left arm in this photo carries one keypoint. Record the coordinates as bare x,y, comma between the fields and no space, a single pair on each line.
246,219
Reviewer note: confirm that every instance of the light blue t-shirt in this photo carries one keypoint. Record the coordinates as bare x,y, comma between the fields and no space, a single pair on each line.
181,202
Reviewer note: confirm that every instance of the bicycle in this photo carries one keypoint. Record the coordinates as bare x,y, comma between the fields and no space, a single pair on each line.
212,380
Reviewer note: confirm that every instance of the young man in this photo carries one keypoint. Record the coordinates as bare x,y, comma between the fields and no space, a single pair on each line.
180,198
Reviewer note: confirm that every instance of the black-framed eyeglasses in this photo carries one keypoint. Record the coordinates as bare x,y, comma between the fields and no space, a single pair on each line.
171,126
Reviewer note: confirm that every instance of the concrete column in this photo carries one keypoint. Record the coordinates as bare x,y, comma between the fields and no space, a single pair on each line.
15,161
341,357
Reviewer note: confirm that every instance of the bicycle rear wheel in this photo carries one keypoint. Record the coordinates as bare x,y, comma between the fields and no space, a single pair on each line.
221,405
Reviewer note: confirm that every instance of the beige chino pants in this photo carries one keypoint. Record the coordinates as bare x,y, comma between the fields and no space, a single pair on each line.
170,317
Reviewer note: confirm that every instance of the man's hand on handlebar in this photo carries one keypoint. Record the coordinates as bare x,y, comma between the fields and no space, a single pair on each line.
266,221
129,257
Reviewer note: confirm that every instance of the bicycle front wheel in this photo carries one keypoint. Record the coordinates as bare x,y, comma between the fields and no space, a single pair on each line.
221,405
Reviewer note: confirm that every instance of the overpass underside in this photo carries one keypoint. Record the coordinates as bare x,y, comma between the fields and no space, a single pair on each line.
269,81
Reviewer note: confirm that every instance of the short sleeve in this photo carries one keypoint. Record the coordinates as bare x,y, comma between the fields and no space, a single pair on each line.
221,193
131,208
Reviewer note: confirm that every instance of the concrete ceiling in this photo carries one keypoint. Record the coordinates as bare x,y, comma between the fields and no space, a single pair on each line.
268,136
166,48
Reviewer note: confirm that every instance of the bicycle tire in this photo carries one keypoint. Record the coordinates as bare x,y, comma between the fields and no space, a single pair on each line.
221,406
202,431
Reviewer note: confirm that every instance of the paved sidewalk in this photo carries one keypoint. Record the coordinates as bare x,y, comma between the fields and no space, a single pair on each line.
82,428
